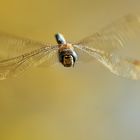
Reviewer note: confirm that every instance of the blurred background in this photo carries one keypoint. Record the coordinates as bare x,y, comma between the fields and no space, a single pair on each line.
55,103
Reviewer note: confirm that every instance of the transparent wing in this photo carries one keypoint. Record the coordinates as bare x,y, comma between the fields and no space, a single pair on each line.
17,65
114,47
12,46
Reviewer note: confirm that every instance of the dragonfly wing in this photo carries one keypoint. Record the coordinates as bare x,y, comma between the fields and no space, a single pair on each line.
125,67
13,46
111,44
17,65
52,61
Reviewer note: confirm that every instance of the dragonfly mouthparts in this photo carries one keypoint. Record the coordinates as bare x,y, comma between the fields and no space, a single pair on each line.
60,38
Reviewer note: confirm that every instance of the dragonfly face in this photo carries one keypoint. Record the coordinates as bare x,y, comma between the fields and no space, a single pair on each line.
67,55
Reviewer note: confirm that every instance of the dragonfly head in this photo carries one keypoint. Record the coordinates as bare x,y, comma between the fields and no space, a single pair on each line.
67,58
60,38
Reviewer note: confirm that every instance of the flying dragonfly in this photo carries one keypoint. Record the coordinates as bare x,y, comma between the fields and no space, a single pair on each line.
19,54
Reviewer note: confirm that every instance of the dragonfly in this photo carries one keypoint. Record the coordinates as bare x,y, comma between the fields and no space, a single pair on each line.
18,54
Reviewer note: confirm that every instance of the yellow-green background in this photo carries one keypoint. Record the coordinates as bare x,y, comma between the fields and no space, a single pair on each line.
86,102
